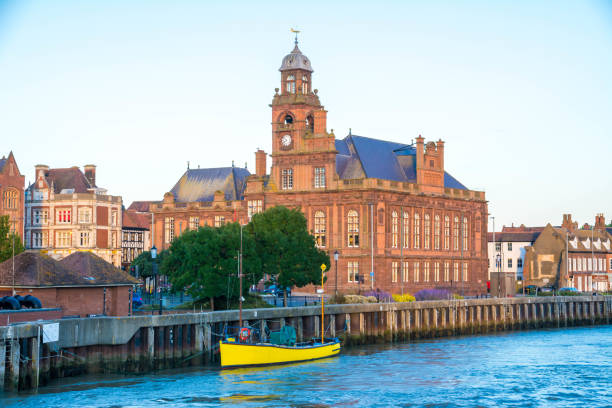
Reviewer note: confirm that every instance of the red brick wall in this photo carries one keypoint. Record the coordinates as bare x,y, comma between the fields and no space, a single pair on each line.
14,181
102,216
101,238
28,316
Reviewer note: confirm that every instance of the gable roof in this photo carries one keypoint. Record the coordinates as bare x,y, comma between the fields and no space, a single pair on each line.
89,266
141,206
70,178
134,219
364,157
525,236
201,184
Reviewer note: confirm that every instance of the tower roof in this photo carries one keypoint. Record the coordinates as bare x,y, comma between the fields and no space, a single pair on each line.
296,60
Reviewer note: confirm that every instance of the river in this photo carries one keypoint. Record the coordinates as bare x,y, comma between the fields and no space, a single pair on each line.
543,368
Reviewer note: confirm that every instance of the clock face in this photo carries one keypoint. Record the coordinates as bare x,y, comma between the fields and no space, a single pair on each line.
286,140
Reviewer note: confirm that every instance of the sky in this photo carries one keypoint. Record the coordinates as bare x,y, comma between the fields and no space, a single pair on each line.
520,91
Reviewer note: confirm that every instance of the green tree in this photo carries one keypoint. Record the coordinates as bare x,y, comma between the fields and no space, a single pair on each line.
287,250
7,239
205,263
144,262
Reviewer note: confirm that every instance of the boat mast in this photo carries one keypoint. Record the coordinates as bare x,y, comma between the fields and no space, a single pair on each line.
323,267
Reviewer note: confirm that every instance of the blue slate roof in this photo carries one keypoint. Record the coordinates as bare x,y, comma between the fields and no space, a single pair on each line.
364,157
201,184
2,163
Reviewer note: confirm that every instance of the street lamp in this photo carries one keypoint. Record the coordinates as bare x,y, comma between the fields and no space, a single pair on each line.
336,260
154,259
498,261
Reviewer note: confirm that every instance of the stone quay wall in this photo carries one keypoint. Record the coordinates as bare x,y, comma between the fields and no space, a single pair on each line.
144,343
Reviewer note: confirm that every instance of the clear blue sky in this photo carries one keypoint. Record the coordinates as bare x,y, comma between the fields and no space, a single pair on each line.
521,91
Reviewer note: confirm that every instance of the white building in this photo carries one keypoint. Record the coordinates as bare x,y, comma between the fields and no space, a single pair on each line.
506,249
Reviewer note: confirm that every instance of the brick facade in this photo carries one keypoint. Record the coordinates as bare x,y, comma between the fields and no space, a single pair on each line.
12,184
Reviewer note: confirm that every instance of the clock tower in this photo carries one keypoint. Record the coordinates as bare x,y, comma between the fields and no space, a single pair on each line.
303,152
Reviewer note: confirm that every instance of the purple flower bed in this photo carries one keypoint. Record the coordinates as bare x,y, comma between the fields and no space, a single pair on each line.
381,295
433,294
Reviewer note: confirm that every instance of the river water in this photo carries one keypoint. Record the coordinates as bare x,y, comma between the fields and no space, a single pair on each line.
543,368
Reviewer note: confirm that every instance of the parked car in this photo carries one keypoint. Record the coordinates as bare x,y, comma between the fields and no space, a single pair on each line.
568,289
278,291
137,301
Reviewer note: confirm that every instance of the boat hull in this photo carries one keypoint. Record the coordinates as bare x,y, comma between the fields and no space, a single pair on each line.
241,355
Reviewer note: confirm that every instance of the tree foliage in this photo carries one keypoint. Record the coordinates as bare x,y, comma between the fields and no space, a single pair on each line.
287,250
205,262
7,238
144,262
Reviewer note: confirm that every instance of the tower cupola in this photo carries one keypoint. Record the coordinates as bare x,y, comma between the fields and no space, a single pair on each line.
296,73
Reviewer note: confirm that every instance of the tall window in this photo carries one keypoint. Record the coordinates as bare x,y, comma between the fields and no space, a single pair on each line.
287,179
319,229
437,272
437,232
509,246
446,233
169,229
465,271
456,272
427,227
417,231
291,84
425,271
519,263
394,271
509,262
114,218
465,234
319,179
446,271
456,234
39,239
304,84
114,240
416,272
406,229
394,229
353,271
64,239
84,239
194,223
10,199
63,216
404,271
353,229
219,220
84,215
254,207
41,217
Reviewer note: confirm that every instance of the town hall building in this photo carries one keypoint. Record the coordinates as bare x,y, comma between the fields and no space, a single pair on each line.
398,221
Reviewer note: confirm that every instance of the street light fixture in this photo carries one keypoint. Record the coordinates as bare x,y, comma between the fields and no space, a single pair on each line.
154,258
336,253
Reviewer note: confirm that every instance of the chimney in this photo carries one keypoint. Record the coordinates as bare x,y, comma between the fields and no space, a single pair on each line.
567,222
440,150
260,163
90,174
420,152
41,171
600,222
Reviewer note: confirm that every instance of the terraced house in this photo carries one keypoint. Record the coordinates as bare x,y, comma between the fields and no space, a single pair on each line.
67,212
398,220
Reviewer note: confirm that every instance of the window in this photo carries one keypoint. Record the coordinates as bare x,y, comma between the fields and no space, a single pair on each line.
219,220
287,179
254,207
406,230
427,232
425,271
310,123
465,234
84,215
319,179
63,216
353,229
169,229
417,231
519,263
11,199
84,239
437,232
114,218
114,240
509,246
304,84
353,271
416,272
288,119
194,223
394,271
319,229
498,247
41,217
465,272
394,229
39,239
291,84
437,272
446,271
611,264
456,234
573,265
446,233
456,272
590,264
404,271
64,239
509,262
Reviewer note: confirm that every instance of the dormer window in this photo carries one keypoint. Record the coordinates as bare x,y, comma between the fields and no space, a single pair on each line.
304,84
291,84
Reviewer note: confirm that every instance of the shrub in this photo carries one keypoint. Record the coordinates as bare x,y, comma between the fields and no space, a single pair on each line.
457,297
351,299
433,294
407,297
380,295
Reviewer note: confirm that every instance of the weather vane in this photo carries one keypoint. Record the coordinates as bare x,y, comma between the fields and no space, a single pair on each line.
296,33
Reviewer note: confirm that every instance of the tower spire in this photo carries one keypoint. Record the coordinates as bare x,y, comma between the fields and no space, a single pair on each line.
296,33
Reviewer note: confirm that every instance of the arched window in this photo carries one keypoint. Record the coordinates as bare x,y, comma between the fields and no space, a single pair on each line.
437,232
304,84
446,233
10,199
288,119
394,229
427,227
406,229
353,229
456,234
310,123
417,231
319,229
465,234
291,84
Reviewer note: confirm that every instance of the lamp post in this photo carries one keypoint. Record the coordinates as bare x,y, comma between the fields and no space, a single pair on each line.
498,261
154,259
336,253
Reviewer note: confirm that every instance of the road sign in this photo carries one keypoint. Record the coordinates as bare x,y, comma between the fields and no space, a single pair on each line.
323,267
